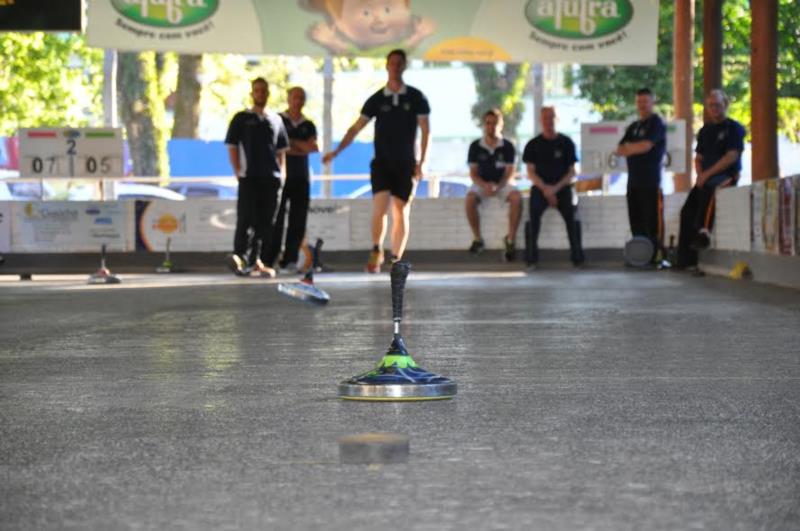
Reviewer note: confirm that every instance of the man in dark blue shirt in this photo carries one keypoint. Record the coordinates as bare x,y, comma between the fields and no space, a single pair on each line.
398,110
491,168
256,141
718,161
296,190
643,146
550,161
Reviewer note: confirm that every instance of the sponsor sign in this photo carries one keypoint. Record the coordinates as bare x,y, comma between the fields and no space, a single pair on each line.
571,31
193,225
5,226
600,140
70,226
770,216
329,219
209,224
786,217
67,152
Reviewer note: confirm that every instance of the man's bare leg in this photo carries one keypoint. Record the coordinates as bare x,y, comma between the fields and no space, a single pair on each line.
473,216
380,207
401,225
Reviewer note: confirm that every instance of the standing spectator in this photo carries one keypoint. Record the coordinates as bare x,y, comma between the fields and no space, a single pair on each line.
398,110
643,146
550,161
296,190
491,168
256,141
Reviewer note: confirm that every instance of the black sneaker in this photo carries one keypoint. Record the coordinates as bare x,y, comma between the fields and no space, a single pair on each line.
477,247
510,253
235,264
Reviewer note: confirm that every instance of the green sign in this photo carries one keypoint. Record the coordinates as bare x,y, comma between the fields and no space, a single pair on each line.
166,13
579,19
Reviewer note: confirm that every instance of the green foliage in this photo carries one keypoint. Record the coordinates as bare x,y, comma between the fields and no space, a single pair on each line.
49,80
501,88
611,88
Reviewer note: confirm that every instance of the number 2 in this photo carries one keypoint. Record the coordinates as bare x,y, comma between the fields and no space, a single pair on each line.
71,149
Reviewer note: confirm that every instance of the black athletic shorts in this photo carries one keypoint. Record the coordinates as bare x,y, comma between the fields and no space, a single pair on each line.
396,177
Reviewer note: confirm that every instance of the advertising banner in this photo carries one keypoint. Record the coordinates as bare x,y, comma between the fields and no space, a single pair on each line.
757,216
208,224
195,225
786,217
5,226
770,216
70,226
329,219
549,31
600,140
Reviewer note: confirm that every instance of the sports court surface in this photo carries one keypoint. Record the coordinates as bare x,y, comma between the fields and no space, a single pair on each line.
595,399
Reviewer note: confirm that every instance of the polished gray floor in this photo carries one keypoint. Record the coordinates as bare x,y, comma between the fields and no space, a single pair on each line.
595,399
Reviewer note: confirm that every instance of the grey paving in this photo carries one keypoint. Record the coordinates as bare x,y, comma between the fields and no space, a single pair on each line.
596,399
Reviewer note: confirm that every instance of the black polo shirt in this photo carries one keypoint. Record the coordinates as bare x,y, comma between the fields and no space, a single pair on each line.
492,162
714,140
552,157
259,138
396,121
644,170
297,165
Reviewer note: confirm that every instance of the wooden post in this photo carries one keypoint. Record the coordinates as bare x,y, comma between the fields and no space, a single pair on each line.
683,81
764,88
712,46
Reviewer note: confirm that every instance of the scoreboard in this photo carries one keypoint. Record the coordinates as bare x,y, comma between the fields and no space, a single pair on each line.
68,152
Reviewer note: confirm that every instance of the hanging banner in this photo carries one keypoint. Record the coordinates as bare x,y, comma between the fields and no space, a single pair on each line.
545,31
599,141
70,226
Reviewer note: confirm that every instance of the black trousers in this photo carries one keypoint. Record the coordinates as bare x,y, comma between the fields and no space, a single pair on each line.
296,198
697,213
538,204
644,213
255,209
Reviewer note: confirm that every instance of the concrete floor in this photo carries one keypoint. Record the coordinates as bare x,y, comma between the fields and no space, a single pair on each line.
594,399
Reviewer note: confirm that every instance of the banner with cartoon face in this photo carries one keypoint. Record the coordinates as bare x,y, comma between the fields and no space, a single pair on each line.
544,31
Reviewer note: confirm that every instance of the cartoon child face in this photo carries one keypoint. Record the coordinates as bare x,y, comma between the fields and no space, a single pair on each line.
371,23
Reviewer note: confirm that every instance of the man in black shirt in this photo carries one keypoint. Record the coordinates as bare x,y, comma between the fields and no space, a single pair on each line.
643,146
398,110
718,161
256,141
491,168
296,190
550,160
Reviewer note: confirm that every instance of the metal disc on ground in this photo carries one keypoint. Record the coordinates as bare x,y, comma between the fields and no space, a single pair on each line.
304,292
638,251
374,448
397,377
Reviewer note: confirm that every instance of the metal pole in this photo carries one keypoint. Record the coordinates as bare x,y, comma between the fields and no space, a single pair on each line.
327,120
537,91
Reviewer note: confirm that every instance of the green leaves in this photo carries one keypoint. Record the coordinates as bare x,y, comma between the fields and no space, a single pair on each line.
48,80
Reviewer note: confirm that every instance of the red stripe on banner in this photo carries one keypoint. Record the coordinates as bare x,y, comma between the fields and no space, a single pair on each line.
604,130
41,134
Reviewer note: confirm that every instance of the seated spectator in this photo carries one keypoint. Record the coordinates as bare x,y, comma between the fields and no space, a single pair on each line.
718,161
491,168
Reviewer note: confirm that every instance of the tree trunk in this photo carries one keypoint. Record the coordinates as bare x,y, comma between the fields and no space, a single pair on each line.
141,110
187,97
